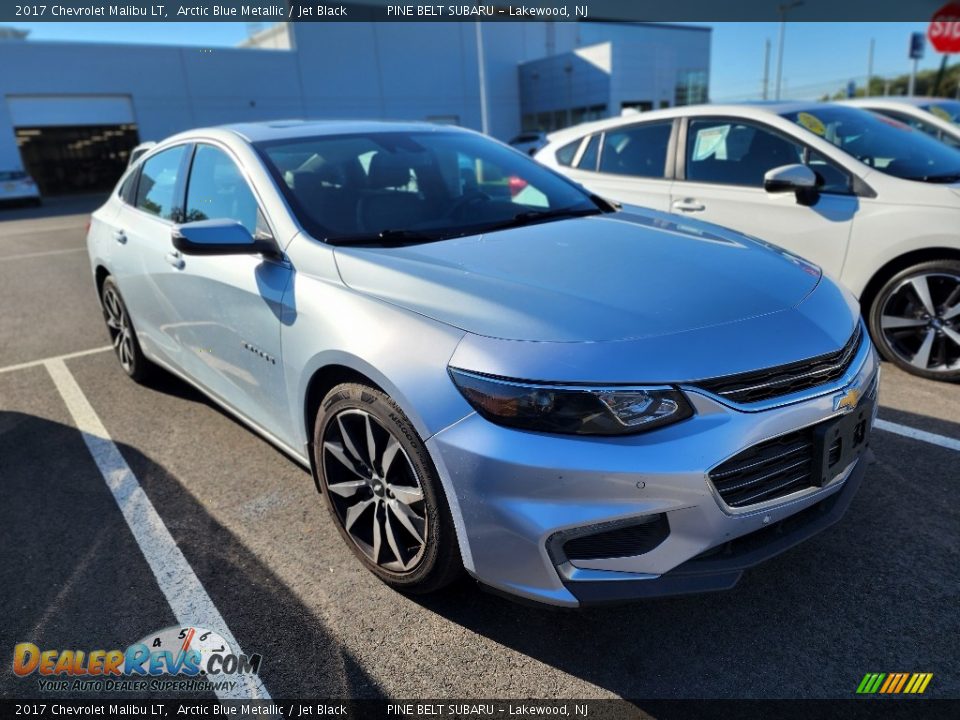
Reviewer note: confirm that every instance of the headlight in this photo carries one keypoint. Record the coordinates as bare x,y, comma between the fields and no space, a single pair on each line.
570,409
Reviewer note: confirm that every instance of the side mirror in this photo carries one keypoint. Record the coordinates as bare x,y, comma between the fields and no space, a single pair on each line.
219,237
789,177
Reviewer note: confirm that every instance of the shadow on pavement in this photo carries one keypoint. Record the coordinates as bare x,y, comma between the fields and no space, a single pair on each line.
72,576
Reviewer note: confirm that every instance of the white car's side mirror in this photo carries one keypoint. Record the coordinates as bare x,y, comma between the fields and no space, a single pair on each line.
788,178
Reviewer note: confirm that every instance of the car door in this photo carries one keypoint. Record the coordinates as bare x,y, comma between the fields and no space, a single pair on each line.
631,164
143,252
228,308
720,173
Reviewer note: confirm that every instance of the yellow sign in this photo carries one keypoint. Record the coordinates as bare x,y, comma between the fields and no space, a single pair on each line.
812,123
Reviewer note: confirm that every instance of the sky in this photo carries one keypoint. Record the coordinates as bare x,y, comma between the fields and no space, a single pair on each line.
818,57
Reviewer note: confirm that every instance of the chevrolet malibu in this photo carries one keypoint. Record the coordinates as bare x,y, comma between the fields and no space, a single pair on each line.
484,366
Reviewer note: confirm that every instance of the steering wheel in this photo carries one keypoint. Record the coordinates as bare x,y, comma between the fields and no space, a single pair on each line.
472,197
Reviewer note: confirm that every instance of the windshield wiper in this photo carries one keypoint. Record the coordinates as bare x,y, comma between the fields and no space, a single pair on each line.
384,237
531,217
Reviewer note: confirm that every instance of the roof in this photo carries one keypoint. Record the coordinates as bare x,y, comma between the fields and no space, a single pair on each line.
282,129
745,109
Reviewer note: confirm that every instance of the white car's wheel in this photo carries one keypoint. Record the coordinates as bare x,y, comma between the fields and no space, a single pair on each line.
915,320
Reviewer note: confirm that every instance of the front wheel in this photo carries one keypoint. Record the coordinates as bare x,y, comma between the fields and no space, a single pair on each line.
915,320
382,490
122,333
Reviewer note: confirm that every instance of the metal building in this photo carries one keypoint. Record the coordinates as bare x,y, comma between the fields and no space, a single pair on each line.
72,111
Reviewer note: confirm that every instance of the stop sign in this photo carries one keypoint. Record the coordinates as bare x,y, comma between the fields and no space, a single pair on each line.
944,30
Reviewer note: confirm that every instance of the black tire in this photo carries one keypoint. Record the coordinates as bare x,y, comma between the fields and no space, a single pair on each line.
123,335
401,561
906,333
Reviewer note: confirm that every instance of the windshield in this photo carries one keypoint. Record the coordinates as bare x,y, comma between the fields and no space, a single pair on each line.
415,186
882,143
948,110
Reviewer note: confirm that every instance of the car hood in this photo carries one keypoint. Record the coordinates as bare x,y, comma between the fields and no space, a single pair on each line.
619,276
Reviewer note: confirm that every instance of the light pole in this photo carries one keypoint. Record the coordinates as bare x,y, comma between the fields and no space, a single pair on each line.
783,29
482,78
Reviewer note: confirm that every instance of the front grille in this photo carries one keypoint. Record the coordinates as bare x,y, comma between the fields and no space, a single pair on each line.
623,541
774,382
768,470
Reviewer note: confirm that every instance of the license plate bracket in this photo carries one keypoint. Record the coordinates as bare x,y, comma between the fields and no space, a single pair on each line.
838,443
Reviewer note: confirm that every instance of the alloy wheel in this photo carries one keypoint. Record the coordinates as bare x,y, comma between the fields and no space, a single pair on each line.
920,321
118,323
374,490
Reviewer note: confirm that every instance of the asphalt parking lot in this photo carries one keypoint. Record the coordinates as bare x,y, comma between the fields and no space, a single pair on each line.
878,592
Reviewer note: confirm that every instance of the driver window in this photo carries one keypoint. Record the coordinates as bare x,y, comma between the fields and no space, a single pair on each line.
735,153
217,190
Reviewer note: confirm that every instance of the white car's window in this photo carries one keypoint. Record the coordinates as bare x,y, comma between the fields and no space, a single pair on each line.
638,151
921,125
158,180
218,191
735,153
948,110
437,184
740,153
882,143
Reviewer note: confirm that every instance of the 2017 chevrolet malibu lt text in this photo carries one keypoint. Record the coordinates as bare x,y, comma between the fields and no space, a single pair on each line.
484,366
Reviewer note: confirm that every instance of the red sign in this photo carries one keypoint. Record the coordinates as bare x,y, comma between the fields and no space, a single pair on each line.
944,30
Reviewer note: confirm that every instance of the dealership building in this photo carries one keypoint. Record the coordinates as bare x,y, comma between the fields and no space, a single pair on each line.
71,111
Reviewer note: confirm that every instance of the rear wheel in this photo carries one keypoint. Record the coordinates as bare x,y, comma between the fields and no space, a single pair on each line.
915,320
122,333
382,490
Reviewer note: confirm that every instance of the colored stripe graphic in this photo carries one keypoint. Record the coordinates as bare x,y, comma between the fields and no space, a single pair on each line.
894,683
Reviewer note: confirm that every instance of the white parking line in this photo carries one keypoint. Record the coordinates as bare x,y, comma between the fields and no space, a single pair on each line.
923,435
44,361
180,585
24,256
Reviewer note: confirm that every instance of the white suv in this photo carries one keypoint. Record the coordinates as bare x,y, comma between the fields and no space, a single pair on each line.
872,201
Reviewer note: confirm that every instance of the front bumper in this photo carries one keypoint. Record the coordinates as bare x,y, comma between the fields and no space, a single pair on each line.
513,493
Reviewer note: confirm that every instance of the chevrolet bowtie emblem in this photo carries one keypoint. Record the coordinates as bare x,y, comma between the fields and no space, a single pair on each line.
846,401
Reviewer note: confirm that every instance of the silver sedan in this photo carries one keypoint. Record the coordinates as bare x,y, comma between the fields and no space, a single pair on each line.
486,367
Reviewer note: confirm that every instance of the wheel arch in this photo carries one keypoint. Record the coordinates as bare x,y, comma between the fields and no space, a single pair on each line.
100,274
896,265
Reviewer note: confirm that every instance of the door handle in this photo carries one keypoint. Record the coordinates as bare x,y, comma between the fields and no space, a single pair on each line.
688,205
120,236
175,259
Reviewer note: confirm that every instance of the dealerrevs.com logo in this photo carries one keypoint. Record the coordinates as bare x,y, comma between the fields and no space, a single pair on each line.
175,658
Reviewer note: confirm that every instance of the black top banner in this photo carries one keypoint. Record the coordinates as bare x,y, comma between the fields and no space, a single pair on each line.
853,11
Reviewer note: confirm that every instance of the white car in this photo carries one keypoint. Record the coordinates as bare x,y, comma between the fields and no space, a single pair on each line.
872,201
938,117
16,186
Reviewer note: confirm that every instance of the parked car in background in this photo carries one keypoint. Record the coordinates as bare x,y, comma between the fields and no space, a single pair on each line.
874,202
529,142
577,403
937,117
139,151
16,186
